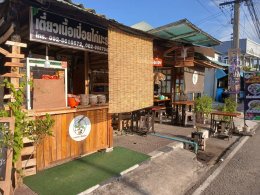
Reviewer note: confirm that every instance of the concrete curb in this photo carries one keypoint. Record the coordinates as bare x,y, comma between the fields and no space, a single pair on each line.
155,154
89,190
129,169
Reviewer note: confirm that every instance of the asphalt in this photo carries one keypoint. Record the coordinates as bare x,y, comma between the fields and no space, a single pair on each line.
242,174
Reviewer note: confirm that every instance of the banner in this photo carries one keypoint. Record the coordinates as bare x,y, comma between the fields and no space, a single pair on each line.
234,71
47,27
252,95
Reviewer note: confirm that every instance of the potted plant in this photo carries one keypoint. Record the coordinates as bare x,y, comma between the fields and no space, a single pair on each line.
203,106
230,105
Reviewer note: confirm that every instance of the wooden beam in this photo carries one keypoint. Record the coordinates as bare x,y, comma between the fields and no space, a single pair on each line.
31,162
30,171
18,44
15,55
7,96
4,52
28,150
170,50
12,75
14,64
7,34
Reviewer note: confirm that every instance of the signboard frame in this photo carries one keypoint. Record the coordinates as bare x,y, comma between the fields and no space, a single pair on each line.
67,32
6,184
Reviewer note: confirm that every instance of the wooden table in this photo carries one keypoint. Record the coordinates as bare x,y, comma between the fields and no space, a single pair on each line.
158,102
183,104
229,122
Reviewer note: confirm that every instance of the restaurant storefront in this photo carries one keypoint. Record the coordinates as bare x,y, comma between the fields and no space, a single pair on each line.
83,68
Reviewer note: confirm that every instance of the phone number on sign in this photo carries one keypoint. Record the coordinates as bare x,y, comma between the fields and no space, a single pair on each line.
77,43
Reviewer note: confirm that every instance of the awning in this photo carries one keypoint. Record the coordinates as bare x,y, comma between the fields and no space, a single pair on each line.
220,73
206,51
185,31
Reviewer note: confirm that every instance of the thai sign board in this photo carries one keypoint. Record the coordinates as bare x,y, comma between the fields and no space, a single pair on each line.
234,71
47,27
252,95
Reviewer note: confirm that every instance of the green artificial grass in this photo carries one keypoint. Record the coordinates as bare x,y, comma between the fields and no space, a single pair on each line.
78,175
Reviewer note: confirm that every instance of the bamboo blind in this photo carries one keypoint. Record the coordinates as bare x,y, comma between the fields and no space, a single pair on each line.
130,71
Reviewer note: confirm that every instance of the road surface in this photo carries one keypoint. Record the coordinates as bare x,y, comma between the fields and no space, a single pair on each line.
242,173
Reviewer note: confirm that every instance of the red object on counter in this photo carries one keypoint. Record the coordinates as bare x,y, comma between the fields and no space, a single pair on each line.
72,102
47,77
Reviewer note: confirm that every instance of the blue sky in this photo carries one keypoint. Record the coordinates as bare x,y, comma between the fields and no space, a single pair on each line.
203,13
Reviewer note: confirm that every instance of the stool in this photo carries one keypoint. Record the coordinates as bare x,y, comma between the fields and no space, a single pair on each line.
189,114
159,111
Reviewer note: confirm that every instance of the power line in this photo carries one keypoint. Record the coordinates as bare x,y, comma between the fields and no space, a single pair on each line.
210,11
249,20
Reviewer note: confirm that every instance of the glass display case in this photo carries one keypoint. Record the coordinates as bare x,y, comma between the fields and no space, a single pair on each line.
46,84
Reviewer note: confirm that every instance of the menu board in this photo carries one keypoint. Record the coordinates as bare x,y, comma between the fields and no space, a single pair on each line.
252,95
6,124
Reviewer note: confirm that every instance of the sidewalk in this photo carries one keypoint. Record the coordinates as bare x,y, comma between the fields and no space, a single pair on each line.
171,173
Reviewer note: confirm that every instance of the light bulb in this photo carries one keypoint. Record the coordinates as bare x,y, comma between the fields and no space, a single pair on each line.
47,64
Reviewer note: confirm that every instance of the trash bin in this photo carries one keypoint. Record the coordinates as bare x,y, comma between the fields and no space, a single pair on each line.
225,95
219,94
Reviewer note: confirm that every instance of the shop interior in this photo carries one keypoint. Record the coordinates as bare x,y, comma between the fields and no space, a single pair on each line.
87,73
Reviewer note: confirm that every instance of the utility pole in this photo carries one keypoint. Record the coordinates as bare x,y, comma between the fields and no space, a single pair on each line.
236,25
234,52
236,20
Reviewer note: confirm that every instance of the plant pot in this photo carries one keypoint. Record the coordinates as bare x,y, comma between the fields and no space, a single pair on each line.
101,99
84,99
93,100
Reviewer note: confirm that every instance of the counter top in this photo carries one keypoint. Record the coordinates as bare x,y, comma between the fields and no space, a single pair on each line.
66,110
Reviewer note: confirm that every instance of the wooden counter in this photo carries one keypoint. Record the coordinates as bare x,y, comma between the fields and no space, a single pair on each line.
65,110
61,147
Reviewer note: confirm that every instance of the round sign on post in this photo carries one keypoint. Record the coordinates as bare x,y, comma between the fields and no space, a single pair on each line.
79,128
195,77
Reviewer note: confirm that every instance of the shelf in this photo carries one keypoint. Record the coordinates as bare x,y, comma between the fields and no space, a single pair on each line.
99,92
100,84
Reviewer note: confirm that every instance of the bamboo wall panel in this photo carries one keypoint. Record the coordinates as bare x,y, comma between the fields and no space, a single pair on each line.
130,61
59,147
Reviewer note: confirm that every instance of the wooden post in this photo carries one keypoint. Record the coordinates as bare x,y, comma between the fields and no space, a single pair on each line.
86,62
14,76
110,130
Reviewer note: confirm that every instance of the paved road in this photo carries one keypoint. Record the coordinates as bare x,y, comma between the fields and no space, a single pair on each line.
242,174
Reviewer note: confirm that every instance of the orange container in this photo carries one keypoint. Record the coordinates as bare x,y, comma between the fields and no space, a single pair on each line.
72,102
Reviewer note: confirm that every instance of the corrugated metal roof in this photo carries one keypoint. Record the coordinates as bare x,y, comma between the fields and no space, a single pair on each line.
185,31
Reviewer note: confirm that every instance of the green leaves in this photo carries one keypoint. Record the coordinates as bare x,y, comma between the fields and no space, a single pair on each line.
35,129
230,105
203,104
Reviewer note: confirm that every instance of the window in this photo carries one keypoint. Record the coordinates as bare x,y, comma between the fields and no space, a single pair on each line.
179,83
166,86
